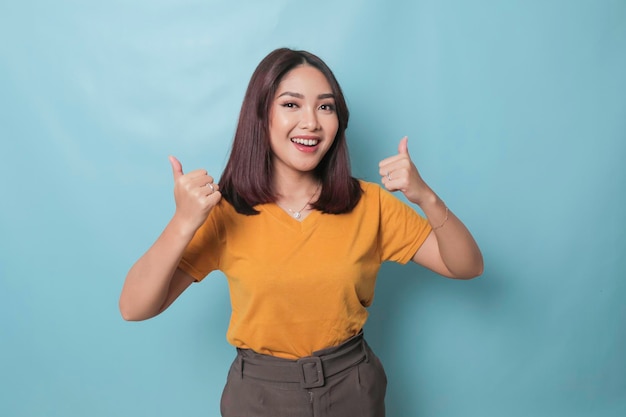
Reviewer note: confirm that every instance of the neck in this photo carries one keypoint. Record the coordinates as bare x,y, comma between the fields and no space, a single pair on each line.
295,187
294,195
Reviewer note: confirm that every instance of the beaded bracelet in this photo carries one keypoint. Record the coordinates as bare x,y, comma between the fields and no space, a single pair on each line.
444,220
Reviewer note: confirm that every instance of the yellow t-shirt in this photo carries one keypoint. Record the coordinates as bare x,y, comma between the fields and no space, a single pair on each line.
301,286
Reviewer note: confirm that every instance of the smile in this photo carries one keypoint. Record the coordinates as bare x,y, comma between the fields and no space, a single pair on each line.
305,142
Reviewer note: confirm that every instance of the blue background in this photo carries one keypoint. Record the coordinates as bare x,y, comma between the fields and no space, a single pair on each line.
516,114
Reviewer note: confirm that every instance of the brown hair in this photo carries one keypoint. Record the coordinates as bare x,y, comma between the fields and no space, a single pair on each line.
247,177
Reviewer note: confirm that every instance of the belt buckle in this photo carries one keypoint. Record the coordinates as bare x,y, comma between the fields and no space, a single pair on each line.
316,361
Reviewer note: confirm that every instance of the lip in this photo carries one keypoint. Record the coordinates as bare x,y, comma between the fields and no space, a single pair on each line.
307,137
304,148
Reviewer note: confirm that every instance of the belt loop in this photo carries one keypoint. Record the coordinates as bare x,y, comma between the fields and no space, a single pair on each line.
365,348
240,360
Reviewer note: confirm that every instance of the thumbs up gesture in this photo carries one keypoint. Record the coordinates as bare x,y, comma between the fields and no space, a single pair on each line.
399,173
195,194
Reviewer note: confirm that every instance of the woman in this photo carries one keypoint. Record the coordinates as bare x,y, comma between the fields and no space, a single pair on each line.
300,241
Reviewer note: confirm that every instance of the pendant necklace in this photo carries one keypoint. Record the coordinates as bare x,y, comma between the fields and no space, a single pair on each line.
298,214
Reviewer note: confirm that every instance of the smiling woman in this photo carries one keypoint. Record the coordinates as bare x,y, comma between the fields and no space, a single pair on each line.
276,98
303,125
301,242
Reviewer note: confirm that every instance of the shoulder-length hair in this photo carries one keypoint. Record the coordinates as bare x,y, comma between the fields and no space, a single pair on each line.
247,177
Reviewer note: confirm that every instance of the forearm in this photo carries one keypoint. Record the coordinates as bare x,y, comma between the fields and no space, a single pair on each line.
450,250
148,281
458,249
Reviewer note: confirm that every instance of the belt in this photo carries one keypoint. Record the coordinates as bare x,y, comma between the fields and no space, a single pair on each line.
309,371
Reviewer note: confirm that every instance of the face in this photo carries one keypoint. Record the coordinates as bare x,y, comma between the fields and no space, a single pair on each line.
303,121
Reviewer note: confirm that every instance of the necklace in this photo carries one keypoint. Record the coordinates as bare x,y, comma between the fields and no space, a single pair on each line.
298,214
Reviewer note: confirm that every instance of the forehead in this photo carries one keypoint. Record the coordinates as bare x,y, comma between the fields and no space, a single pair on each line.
304,78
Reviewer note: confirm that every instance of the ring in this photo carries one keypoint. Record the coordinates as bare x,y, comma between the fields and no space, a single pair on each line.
208,184
388,176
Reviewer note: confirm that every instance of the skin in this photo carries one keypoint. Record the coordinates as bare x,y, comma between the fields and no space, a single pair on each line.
303,109
450,250
154,281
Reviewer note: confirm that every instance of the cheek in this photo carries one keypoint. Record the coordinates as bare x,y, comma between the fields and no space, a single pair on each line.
332,127
280,122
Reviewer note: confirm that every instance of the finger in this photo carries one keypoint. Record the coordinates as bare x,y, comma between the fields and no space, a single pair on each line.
211,187
177,167
200,180
403,153
385,171
391,161
213,198
204,186
395,164
403,146
389,182
199,173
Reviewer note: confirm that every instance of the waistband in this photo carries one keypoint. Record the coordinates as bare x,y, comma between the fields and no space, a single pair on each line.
309,371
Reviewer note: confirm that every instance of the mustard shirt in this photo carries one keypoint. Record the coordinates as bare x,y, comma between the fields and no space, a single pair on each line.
300,286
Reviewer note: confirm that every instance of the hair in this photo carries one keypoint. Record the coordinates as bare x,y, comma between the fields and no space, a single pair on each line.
247,177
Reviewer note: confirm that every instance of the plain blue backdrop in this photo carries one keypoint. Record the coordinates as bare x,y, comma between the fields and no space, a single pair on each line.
516,116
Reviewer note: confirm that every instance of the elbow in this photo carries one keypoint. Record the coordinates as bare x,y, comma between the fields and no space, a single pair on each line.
470,275
130,314
127,315
466,276
478,267
474,271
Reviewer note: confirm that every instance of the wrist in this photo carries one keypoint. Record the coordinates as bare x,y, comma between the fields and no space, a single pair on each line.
435,209
182,227
427,198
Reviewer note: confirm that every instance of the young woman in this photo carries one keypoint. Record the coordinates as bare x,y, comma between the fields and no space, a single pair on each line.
300,242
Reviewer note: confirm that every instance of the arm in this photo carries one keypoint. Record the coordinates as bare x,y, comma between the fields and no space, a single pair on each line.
155,281
450,249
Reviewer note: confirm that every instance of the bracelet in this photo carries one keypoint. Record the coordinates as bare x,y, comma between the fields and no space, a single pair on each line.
444,220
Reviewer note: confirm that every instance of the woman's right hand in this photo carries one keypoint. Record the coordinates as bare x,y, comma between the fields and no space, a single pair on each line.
195,194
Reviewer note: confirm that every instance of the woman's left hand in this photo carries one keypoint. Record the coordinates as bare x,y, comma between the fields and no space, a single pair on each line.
398,172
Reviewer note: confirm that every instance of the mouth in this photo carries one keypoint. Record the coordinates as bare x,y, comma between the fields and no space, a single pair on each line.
309,142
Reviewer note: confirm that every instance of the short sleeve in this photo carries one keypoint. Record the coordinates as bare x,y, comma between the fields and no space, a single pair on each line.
203,252
402,229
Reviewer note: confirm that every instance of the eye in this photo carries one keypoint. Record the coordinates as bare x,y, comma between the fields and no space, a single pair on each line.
329,107
289,105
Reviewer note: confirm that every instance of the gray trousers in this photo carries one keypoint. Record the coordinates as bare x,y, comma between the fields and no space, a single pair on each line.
342,381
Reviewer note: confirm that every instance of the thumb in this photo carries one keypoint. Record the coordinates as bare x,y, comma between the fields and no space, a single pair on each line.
403,146
177,167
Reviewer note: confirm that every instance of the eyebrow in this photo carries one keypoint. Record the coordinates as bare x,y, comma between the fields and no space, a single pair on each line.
301,96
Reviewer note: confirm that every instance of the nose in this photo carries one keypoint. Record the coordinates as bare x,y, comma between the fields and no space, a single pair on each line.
309,119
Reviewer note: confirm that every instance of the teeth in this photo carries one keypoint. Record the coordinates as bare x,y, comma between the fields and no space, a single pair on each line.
305,142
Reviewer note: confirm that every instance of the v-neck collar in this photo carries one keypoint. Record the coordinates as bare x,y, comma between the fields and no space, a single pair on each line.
288,220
